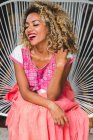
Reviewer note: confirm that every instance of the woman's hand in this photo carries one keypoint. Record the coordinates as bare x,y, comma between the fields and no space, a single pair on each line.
61,58
58,114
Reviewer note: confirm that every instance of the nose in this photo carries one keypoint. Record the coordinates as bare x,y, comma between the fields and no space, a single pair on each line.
30,28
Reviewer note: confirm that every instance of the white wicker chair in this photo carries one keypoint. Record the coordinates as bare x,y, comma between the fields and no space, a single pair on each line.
81,76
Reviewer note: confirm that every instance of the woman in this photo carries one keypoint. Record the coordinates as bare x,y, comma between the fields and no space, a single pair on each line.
44,107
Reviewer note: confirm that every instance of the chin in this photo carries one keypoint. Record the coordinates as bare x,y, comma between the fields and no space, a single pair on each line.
33,44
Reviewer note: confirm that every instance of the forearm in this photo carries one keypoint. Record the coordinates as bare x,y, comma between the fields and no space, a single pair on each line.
56,84
35,98
26,92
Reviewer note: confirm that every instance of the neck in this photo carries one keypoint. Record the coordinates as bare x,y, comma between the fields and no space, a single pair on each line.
41,49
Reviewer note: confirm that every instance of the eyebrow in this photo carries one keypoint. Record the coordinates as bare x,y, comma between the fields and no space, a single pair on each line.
33,21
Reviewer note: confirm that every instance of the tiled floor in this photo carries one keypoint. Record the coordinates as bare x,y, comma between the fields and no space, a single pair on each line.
4,134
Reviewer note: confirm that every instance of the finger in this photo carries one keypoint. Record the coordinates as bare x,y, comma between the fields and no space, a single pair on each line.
62,122
62,54
59,121
66,119
55,121
64,50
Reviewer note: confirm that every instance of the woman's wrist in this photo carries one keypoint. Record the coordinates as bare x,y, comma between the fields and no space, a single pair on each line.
51,104
60,66
59,69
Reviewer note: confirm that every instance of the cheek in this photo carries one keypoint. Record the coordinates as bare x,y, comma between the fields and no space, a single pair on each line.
25,32
43,35
44,32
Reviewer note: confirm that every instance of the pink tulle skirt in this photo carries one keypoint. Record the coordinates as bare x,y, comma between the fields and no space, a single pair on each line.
27,121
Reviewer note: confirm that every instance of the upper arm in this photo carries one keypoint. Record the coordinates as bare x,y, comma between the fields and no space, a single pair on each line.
21,78
16,57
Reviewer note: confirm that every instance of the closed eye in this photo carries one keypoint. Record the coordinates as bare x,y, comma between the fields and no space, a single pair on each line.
35,24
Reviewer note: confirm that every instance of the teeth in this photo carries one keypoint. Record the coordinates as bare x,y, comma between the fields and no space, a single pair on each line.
31,36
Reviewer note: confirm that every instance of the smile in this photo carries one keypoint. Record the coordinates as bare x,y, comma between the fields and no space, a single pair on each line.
31,36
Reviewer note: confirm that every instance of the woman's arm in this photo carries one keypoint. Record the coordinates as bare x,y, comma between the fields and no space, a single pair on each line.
57,113
60,75
25,91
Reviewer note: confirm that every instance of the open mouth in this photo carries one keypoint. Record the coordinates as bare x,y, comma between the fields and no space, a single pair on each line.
31,36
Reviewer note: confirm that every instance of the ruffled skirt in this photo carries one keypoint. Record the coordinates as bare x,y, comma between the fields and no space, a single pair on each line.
27,121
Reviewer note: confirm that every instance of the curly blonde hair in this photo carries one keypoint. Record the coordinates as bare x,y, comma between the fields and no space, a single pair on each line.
58,22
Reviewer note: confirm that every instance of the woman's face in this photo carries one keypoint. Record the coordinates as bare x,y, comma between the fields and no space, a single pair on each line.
35,29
